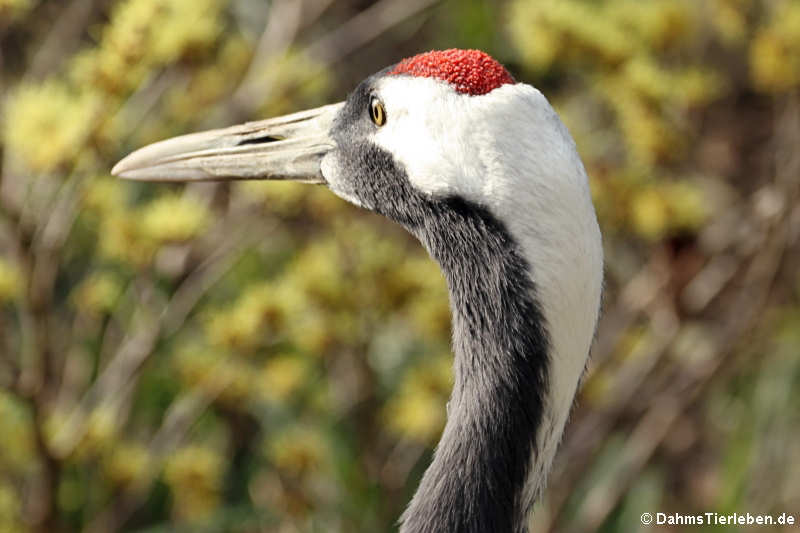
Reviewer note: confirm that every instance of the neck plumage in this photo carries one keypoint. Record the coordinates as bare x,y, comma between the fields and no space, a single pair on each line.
482,477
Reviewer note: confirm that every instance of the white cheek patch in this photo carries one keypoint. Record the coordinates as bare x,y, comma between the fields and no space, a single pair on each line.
427,131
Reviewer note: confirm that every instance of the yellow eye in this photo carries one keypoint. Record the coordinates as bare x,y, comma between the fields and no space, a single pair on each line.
376,112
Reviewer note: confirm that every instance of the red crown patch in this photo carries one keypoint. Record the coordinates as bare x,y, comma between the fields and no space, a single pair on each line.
469,71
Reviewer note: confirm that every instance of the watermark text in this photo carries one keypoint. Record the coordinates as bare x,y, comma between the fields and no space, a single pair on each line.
719,519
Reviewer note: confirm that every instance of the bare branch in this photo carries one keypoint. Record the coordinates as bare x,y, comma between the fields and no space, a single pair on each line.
364,27
62,39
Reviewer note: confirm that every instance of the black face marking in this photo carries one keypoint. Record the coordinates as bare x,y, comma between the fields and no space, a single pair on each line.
475,483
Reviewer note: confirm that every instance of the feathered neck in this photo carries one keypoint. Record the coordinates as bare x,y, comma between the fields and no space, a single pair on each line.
480,476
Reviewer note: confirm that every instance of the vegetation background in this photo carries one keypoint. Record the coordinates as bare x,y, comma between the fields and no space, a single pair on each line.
264,357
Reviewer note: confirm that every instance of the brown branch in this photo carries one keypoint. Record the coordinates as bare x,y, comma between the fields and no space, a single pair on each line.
280,31
363,28
62,39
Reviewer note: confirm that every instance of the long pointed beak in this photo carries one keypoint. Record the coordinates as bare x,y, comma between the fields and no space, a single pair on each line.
290,147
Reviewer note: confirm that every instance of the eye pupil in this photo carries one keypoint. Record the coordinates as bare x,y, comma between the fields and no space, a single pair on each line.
376,111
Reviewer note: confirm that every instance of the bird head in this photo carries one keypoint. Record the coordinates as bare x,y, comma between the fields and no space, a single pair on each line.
436,126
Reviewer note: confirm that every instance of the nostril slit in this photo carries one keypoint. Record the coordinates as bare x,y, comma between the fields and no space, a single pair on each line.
261,140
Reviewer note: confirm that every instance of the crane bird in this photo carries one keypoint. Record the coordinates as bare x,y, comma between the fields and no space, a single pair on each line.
481,170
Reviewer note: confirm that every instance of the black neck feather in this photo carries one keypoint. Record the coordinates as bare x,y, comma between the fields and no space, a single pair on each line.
477,479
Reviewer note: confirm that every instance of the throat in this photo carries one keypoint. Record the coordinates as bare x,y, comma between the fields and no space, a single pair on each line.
484,474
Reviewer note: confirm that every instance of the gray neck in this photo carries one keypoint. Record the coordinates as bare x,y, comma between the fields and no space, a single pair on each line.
477,480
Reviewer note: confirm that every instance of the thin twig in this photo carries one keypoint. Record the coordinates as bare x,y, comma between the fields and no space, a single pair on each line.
363,28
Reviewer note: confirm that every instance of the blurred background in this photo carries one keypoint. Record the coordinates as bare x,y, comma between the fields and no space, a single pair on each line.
267,358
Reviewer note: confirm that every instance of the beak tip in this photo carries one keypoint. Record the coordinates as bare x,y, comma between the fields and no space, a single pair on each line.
124,169
130,168
118,169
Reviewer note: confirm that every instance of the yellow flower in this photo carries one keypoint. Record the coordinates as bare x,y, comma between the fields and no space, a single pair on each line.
47,124
649,213
16,423
645,76
144,35
418,410
121,239
173,218
104,195
775,51
97,294
663,208
774,66
281,377
185,26
10,504
127,464
730,19
101,430
659,23
221,375
194,466
10,281
283,198
688,207
194,475
299,449
238,328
